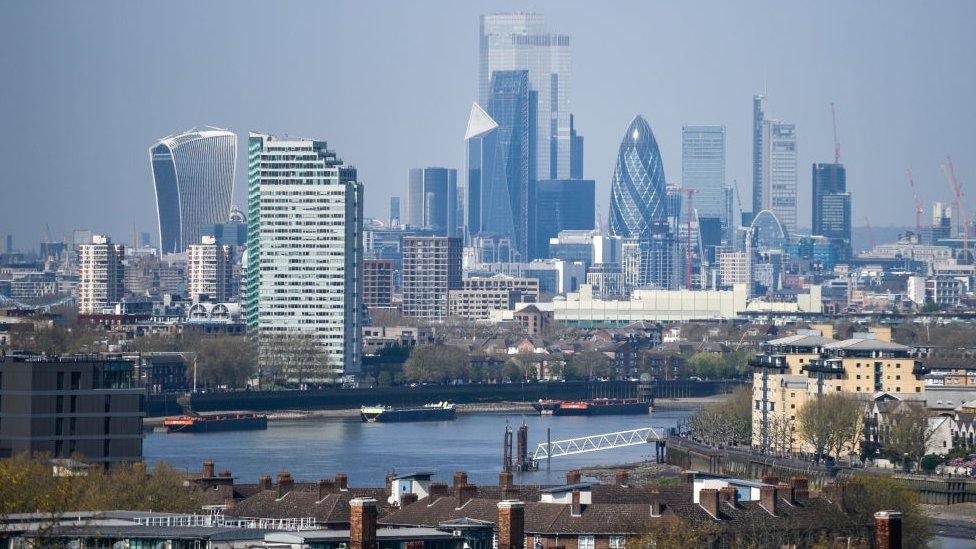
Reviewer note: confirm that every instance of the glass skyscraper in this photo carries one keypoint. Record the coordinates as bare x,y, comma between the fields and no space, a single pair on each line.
521,41
832,207
432,200
638,194
779,172
193,176
703,168
560,205
758,122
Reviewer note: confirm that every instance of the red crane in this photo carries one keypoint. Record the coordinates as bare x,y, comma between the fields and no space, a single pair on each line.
919,210
962,225
691,213
833,119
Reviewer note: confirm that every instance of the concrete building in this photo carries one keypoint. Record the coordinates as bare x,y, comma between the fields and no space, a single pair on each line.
210,271
779,173
734,268
378,282
70,406
528,288
479,304
431,268
101,274
304,252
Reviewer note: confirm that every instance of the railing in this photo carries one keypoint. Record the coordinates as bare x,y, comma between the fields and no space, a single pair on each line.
173,521
596,443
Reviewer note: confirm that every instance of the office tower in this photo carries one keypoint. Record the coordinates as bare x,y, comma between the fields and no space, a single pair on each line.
378,282
431,269
145,239
101,276
575,151
637,190
193,174
832,207
304,246
758,123
210,271
394,211
521,42
660,261
501,153
573,245
6,243
432,200
71,406
779,172
560,205
703,168
231,233
941,227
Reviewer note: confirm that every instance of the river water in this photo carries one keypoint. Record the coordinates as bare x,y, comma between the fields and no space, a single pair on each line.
311,449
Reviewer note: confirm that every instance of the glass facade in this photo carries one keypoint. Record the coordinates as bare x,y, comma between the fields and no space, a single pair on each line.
432,197
703,168
193,176
562,204
779,171
638,198
758,121
832,207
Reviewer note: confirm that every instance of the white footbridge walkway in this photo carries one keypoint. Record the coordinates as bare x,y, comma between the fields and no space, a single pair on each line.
606,441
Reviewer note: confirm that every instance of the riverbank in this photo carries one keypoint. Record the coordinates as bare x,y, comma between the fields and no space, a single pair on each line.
953,521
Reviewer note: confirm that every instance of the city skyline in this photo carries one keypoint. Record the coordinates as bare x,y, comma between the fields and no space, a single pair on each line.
902,135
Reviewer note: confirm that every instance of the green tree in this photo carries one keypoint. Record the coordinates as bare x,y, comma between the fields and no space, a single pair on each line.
879,493
906,434
437,364
590,365
225,360
294,357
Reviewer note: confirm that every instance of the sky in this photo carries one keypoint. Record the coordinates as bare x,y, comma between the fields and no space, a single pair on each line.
87,87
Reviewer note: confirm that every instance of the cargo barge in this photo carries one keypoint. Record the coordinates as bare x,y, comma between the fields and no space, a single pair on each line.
211,423
592,407
440,411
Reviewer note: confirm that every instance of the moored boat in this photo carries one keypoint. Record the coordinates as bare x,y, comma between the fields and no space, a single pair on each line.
209,423
593,407
438,411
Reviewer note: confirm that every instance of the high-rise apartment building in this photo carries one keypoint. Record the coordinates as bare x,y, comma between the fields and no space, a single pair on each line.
101,274
378,282
304,249
431,269
758,123
637,190
395,211
521,42
193,175
210,271
432,200
832,207
560,205
779,174
703,168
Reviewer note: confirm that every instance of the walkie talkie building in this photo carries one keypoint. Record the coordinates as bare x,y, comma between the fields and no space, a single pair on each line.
193,174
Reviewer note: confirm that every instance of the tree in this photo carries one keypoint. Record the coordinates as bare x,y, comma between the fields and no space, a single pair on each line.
672,532
295,357
590,365
225,360
907,434
725,423
831,423
437,364
878,493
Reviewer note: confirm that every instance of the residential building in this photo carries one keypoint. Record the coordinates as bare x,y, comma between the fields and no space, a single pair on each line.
703,169
101,274
479,304
527,288
832,207
735,268
432,200
431,268
210,271
779,175
71,406
637,189
560,205
378,282
193,175
304,252
394,211
533,320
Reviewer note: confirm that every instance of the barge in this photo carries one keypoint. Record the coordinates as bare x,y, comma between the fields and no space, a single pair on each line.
592,407
439,411
211,423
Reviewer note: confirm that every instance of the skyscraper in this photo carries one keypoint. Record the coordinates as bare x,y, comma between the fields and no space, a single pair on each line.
832,207
431,269
575,151
521,41
394,211
101,274
559,205
703,168
304,251
193,174
210,271
758,122
779,171
432,200
501,153
637,190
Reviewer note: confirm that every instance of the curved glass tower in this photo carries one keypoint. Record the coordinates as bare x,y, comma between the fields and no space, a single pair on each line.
193,174
638,191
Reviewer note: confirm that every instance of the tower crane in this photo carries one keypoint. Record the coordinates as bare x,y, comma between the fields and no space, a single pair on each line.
962,224
867,223
833,120
919,210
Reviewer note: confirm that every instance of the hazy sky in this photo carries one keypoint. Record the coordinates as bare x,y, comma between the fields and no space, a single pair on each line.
87,86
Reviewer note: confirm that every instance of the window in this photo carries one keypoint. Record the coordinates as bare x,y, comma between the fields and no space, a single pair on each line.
60,380
75,381
617,542
586,542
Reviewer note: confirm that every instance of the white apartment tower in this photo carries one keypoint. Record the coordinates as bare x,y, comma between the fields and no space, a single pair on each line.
101,275
210,271
779,172
304,246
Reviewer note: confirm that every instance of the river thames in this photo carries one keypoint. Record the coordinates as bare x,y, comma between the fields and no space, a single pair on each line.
311,449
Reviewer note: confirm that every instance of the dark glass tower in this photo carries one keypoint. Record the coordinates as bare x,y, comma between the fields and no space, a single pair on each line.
832,207
758,118
432,200
638,194
562,204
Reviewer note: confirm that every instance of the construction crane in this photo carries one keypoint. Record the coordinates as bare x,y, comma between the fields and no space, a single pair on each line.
867,223
919,210
691,213
833,119
962,225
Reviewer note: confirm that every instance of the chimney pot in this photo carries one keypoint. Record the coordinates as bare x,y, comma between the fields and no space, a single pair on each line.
224,473
362,523
769,499
622,477
265,482
460,479
505,479
465,492
708,499
887,530
285,484
208,468
325,487
511,524
656,506
342,482
770,479
407,499
573,477
800,487
729,495
577,507
437,490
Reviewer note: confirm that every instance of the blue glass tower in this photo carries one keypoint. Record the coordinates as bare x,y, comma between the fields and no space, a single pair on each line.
638,191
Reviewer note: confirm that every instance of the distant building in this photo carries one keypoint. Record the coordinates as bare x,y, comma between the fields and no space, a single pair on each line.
71,406
229,233
703,168
637,189
431,268
532,320
378,282
304,251
832,207
527,288
432,200
779,176
210,271
479,304
394,211
758,125
193,174
573,245
562,204
101,275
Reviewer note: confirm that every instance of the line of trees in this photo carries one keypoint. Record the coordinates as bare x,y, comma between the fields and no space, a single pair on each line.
832,424
726,423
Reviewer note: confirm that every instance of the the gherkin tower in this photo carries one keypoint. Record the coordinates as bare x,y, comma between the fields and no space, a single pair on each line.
638,189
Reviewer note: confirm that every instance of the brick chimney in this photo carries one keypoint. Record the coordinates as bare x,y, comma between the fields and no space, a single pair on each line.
464,493
769,499
577,507
505,479
708,499
285,484
573,477
208,469
799,490
770,478
342,482
264,482
437,489
511,524
460,479
510,492
689,476
325,487
728,495
362,523
407,499
622,477
657,507
887,530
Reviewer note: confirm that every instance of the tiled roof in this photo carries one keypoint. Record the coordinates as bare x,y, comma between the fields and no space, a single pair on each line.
332,509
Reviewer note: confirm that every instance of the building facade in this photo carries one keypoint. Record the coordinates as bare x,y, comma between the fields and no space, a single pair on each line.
431,269
210,271
637,189
378,282
703,168
527,288
832,207
432,200
758,123
193,175
304,254
560,205
101,274
779,175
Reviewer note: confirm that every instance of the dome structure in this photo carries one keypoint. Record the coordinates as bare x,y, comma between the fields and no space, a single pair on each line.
637,190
